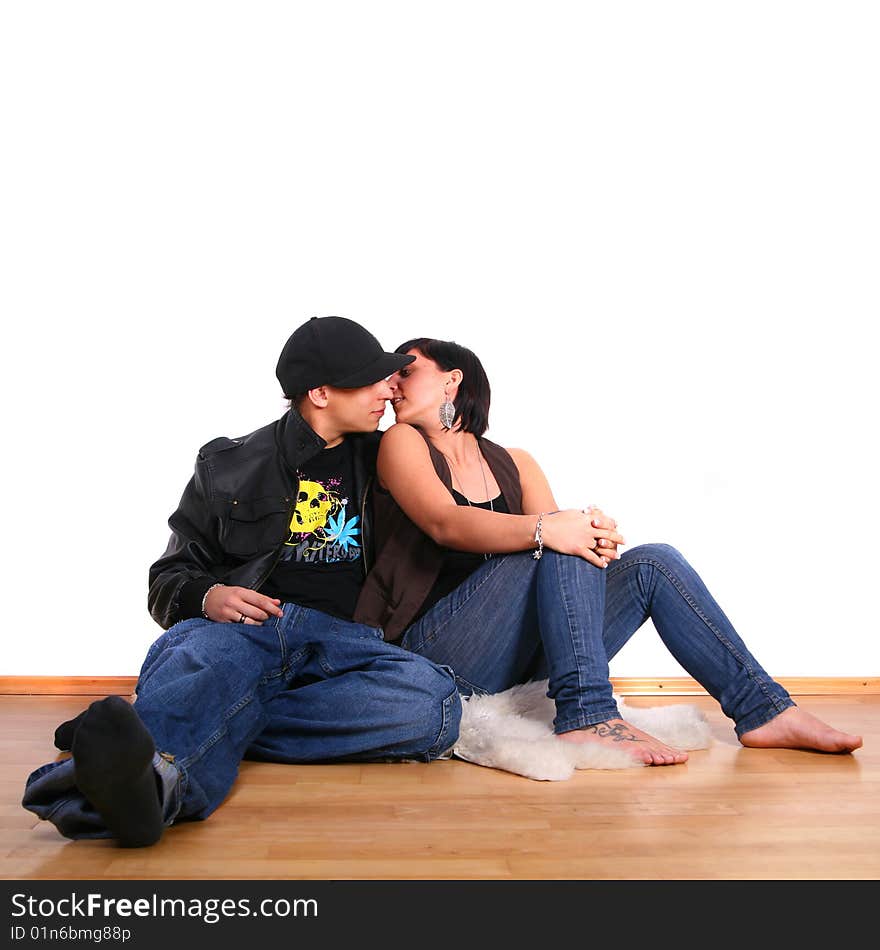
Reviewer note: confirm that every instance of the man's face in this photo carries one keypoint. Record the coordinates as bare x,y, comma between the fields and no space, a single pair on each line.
358,410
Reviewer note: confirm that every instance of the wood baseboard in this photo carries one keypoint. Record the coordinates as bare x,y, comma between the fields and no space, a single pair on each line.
796,685
624,685
67,685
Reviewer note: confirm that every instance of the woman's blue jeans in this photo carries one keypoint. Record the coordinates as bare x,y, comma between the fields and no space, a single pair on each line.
304,687
560,617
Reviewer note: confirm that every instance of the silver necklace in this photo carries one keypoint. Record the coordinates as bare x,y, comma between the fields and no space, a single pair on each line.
485,484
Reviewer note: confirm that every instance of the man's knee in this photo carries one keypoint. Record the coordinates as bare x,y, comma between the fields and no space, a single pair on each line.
437,711
172,638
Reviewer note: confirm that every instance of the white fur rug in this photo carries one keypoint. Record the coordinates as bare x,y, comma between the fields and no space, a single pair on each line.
513,731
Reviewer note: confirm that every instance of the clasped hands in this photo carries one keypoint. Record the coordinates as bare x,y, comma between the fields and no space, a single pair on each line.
590,534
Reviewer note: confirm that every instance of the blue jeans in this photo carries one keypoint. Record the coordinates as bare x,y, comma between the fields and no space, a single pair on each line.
305,687
560,617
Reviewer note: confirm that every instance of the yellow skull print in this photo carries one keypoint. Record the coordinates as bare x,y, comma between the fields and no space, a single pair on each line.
313,504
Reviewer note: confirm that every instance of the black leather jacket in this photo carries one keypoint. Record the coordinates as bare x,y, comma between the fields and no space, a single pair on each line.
234,516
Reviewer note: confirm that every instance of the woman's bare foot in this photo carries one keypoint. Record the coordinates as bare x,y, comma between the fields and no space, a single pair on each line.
617,734
795,729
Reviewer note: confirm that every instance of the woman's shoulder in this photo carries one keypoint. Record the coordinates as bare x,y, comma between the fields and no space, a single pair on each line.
401,447
399,430
521,457
401,436
527,466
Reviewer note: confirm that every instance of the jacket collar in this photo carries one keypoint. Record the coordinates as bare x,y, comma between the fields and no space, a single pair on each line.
296,440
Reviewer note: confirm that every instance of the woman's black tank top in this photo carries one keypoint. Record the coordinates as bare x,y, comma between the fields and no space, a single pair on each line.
459,565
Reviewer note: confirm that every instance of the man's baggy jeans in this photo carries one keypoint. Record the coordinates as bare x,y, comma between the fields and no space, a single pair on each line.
305,687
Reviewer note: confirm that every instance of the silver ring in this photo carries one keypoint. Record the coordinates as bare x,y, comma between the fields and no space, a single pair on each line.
242,618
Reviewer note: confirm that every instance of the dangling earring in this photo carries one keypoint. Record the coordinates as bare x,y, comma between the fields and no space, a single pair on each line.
447,412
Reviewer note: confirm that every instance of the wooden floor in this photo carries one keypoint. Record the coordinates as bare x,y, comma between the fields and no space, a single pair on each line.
729,812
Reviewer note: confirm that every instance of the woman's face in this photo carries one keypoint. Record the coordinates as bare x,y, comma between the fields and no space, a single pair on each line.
418,389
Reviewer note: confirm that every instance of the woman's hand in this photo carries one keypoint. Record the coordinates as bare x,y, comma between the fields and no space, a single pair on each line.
573,532
240,605
599,519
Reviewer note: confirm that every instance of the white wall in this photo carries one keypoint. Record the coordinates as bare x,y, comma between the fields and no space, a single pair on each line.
656,222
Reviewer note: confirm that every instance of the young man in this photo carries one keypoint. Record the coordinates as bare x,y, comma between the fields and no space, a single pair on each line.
269,549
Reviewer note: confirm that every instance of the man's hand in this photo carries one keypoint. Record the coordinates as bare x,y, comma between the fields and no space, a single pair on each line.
240,605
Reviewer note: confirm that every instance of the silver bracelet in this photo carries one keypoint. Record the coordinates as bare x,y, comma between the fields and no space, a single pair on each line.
539,540
208,591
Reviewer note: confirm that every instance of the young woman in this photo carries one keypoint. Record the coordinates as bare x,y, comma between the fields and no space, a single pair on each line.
478,570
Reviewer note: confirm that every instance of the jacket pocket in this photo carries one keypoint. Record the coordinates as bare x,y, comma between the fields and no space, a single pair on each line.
254,525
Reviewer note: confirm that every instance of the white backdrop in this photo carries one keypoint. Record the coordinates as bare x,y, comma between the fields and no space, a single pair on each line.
655,222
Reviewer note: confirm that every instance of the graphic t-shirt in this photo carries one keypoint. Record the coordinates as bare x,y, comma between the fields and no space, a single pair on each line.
321,564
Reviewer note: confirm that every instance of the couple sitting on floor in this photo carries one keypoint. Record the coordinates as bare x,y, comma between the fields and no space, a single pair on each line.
328,591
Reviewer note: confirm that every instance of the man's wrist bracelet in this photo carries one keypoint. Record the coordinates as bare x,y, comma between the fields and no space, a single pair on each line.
539,540
208,591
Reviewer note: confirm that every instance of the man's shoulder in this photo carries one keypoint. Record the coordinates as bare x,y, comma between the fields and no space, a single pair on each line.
260,440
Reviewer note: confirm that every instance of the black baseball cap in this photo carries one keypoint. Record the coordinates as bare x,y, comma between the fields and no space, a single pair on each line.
334,351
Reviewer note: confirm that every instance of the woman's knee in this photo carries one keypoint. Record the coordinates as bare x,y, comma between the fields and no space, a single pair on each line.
660,553
560,563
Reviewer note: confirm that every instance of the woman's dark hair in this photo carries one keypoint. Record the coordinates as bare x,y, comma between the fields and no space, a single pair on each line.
474,394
